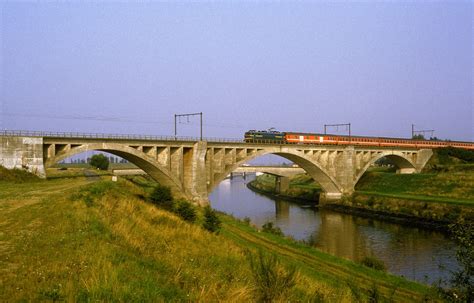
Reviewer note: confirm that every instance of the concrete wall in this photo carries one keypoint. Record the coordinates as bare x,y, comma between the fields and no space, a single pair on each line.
272,170
22,153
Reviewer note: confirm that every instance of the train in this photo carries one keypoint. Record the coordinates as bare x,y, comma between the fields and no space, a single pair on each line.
277,137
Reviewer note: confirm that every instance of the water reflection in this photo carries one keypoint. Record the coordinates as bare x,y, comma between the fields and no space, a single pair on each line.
412,252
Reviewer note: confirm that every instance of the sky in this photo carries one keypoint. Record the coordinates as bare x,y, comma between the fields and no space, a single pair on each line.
128,67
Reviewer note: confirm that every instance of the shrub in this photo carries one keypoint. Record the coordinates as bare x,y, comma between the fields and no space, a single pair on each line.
462,280
374,263
185,210
463,154
272,281
211,222
269,228
374,295
100,161
371,201
161,196
16,175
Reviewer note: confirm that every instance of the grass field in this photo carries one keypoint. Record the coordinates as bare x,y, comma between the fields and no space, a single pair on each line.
70,239
85,165
453,185
443,187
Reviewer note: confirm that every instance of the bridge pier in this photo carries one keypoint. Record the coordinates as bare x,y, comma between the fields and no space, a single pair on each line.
282,184
195,169
22,153
328,198
406,171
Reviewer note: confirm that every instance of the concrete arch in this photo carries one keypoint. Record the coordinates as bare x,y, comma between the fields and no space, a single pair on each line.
139,158
404,164
318,173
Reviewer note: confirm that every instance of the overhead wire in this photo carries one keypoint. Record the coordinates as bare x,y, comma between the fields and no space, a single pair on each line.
117,119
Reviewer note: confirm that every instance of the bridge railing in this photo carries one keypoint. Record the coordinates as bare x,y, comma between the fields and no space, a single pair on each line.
28,133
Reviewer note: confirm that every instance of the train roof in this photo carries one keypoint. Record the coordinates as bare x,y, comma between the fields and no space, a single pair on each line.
371,137
264,131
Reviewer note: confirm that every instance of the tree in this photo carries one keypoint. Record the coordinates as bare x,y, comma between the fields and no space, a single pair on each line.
268,227
185,210
211,222
463,278
100,161
418,137
162,197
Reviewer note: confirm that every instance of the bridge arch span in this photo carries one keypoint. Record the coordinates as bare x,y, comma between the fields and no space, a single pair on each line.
403,163
192,169
137,157
313,168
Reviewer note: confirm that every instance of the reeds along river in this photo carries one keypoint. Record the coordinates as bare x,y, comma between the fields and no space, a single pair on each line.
412,252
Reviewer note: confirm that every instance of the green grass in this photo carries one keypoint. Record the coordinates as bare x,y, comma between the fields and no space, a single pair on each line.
86,165
74,240
454,188
16,175
419,198
317,266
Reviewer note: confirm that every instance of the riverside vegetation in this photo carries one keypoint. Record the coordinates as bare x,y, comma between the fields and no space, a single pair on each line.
73,239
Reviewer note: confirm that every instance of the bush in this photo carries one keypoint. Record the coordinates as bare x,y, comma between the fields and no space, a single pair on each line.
211,222
100,161
462,281
374,295
16,175
269,228
273,282
185,210
374,263
161,197
460,153
371,202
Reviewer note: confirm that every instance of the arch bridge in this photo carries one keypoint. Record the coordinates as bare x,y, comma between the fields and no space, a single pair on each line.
192,169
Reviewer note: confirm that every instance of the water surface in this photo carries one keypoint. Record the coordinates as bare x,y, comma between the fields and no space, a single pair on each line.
415,253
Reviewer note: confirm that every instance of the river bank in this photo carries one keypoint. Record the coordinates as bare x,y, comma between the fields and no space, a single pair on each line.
298,200
399,203
344,207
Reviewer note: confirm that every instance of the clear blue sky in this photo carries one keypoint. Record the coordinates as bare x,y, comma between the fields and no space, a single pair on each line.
129,67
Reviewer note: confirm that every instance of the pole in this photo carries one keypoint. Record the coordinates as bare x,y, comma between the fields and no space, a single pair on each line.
337,125
187,116
412,130
350,138
175,129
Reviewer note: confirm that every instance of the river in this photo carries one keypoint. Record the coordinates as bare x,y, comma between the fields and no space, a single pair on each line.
414,253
